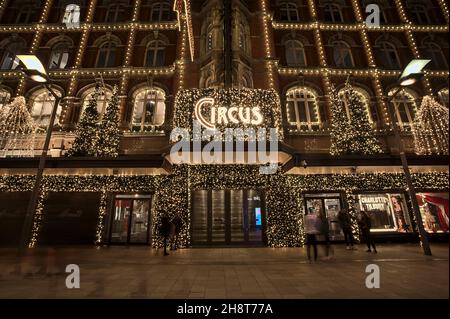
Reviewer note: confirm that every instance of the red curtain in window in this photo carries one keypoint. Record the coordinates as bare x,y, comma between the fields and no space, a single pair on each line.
439,202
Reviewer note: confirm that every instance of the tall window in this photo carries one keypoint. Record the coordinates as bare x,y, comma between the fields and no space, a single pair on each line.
42,106
5,97
363,96
115,13
302,109
342,55
149,109
288,12
106,56
443,97
102,101
420,14
72,14
332,13
405,106
155,54
160,12
434,52
59,56
389,55
9,59
295,53
243,35
26,14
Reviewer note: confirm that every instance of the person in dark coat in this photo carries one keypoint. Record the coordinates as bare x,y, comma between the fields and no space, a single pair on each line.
365,224
164,231
175,230
346,225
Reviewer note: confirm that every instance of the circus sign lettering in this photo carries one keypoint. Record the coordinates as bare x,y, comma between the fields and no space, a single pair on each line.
222,115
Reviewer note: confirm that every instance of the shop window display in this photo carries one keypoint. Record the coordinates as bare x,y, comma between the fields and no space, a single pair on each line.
388,212
434,211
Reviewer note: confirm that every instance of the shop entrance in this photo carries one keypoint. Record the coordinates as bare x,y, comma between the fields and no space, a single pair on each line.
331,204
228,217
130,219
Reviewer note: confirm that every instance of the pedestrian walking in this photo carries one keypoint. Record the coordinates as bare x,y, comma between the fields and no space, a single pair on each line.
346,225
164,231
365,224
175,230
312,229
325,231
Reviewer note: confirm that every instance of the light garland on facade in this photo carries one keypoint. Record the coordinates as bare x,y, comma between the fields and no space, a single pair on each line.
267,44
444,8
184,17
283,193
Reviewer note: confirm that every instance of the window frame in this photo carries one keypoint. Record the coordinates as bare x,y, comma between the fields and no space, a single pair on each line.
111,46
404,98
289,8
62,47
385,48
44,97
341,45
303,97
332,9
160,46
294,50
149,95
161,8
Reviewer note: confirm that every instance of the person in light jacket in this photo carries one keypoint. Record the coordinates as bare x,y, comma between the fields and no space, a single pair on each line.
312,226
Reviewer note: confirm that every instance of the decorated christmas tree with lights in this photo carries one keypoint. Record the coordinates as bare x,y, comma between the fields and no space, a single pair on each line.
86,134
341,133
17,129
109,137
352,135
430,128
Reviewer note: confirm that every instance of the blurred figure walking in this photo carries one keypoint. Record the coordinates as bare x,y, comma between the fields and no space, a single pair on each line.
365,224
346,225
312,229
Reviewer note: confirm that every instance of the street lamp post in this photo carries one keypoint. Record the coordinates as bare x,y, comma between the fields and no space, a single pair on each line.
36,71
410,75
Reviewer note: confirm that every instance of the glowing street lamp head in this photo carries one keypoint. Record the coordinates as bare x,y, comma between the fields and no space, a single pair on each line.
34,68
413,72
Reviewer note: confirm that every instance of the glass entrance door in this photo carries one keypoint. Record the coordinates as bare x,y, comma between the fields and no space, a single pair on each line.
130,219
228,217
330,204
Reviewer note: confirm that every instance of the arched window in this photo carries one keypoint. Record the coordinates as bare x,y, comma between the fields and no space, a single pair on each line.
106,56
115,13
342,55
332,13
155,54
149,109
5,97
9,59
26,14
302,109
389,55
72,15
243,36
59,56
443,97
434,52
364,97
295,53
420,14
160,12
42,102
288,12
102,100
405,106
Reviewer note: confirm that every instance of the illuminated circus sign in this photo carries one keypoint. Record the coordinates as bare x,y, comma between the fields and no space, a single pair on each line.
208,114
